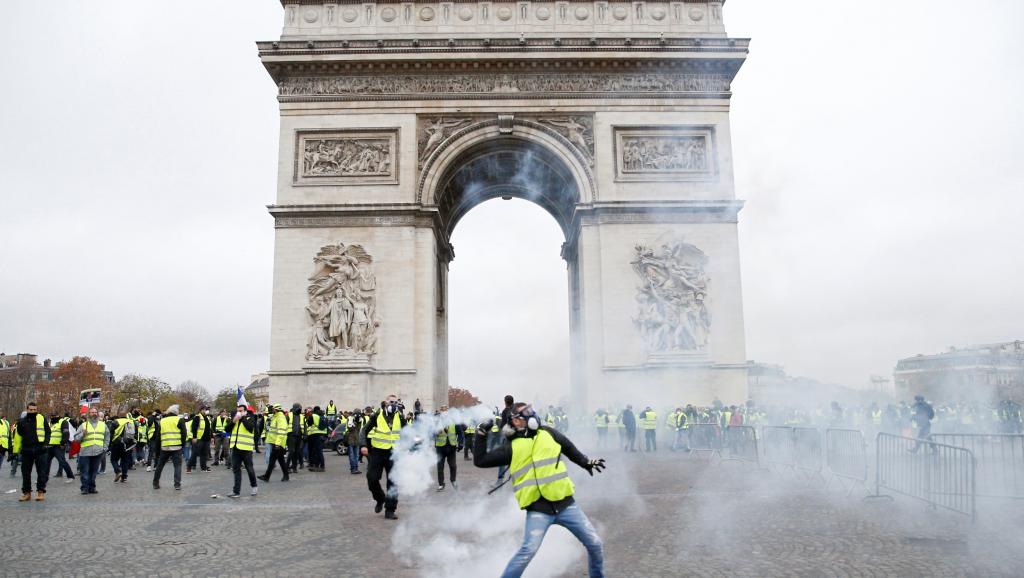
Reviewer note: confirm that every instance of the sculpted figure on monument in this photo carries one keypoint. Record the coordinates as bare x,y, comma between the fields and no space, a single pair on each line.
342,303
434,132
652,154
672,313
578,131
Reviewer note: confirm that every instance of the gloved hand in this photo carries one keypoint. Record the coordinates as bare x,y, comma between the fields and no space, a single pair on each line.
595,465
484,427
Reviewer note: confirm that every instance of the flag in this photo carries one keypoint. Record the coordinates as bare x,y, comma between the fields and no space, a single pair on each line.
84,409
242,400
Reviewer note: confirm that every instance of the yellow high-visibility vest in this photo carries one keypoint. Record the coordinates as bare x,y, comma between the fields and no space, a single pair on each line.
538,471
242,438
94,435
383,436
170,435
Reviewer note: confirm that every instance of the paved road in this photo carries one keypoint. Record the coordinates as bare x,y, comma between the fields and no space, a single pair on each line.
660,515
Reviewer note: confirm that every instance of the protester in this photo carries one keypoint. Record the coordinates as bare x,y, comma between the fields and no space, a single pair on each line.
172,434
241,440
31,442
94,437
378,437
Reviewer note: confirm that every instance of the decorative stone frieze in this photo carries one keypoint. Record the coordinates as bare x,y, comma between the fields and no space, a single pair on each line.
493,85
658,153
346,157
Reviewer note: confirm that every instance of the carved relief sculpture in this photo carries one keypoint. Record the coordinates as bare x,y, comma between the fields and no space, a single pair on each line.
344,157
433,131
672,297
489,84
342,310
578,130
665,153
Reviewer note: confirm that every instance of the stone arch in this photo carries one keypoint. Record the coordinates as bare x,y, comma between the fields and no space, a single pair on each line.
492,159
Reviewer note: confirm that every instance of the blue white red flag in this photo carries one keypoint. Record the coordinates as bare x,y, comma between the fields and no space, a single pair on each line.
242,400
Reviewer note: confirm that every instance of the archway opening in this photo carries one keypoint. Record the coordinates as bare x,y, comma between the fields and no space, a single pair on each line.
508,302
508,311
507,167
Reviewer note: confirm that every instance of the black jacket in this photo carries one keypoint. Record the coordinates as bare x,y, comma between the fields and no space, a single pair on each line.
502,456
26,428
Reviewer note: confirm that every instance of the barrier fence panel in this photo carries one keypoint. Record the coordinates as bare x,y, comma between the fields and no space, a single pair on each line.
777,445
846,456
1000,461
705,437
807,454
939,474
741,441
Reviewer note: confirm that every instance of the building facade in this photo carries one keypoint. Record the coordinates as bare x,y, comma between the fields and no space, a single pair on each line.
397,118
978,373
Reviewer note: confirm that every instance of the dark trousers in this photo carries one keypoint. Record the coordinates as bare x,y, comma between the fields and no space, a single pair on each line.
446,454
276,457
200,449
468,448
294,452
154,452
630,440
316,451
651,440
120,459
175,457
88,467
57,453
40,458
379,465
241,458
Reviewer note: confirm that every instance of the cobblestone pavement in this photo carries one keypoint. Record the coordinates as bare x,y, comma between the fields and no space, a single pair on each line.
659,515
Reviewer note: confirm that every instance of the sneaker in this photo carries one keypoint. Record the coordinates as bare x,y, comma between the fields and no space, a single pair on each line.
440,487
254,491
117,478
284,479
378,507
188,470
156,486
207,470
355,472
264,478
69,480
177,487
85,492
149,468
390,516
234,496
454,487
93,492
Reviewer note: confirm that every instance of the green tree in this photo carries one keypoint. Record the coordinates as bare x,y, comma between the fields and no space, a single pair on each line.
226,399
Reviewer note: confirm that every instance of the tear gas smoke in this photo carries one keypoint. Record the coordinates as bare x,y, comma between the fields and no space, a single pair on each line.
471,533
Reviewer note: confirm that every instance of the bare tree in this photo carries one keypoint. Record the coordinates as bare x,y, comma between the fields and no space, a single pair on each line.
192,395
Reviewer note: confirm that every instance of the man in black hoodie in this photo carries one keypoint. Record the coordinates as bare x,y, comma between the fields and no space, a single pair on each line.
541,484
31,440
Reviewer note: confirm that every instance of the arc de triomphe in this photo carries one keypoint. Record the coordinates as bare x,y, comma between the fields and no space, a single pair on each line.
398,117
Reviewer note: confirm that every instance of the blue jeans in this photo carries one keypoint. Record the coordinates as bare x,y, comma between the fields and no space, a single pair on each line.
353,458
89,465
572,519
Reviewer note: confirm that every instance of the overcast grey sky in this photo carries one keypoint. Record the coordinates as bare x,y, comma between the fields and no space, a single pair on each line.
877,145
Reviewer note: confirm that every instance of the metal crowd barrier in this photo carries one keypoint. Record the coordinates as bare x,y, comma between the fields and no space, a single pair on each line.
807,455
777,446
705,437
846,457
741,441
939,474
1000,461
